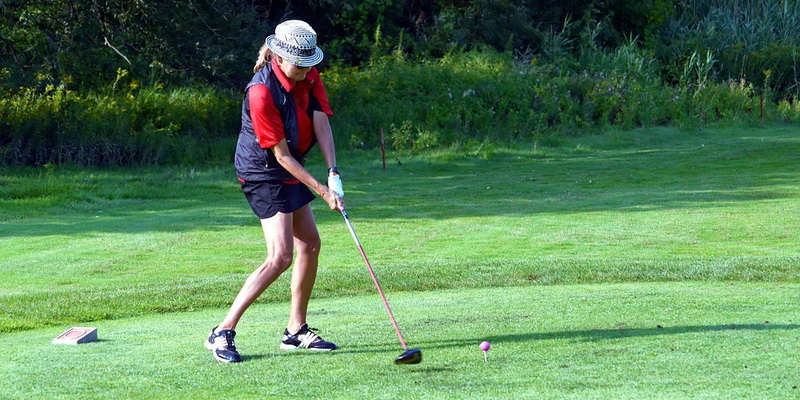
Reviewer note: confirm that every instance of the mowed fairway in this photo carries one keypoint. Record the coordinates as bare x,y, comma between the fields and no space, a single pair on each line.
659,340
643,264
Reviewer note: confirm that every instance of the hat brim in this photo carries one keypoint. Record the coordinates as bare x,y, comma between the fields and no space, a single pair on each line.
300,61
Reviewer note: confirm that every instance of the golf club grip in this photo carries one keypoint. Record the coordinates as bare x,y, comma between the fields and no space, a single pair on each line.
374,279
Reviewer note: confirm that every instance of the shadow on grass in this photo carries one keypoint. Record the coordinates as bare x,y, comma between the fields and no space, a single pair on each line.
157,219
592,335
610,334
690,174
713,170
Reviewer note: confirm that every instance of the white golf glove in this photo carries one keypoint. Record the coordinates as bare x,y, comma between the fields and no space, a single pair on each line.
335,184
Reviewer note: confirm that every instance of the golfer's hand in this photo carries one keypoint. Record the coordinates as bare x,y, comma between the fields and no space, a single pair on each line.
335,202
335,183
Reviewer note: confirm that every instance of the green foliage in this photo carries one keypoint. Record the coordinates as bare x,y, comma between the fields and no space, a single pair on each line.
358,29
788,110
504,25
752,40
125,127
100,83
443,102
462,100
483,95
79,44
644,18
731,102
431,29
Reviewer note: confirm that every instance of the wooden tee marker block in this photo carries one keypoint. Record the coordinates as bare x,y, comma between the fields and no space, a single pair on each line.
76,335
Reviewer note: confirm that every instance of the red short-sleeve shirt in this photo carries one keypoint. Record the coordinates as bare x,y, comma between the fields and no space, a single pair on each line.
267,122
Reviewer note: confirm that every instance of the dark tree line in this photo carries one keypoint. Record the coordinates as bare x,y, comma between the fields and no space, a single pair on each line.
86,44
83,43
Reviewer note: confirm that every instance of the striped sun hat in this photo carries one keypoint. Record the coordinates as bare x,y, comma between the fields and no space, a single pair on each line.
296,42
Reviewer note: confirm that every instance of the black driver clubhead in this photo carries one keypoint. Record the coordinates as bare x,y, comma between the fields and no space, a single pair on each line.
413,356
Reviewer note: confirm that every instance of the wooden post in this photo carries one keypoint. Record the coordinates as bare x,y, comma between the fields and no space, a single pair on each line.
383,150
761,117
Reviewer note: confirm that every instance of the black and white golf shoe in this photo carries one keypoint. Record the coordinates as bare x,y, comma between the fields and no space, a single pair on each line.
222,346
305,339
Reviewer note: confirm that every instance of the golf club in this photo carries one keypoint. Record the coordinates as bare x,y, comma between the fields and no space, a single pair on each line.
413,356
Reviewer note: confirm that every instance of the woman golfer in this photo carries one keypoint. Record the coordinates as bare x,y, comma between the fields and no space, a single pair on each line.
284,113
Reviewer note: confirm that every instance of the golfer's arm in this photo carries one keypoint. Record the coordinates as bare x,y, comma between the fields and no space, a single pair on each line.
293,166
324,134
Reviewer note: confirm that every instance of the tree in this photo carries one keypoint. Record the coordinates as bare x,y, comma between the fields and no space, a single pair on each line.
81,44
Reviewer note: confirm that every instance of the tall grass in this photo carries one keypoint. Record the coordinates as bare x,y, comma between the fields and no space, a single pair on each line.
482,96
461,100
150,125
752,40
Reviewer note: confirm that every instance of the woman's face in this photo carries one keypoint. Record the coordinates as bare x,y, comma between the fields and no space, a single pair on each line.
292,71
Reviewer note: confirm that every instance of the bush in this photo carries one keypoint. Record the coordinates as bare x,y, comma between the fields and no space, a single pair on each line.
480,96
752,40
437,102
460,100
137,126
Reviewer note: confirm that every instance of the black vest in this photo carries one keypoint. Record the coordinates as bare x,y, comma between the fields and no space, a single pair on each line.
254,163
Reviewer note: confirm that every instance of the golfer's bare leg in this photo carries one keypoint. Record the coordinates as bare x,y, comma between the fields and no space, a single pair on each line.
304,273
278,235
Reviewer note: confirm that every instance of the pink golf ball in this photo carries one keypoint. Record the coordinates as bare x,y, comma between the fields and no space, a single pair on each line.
485,346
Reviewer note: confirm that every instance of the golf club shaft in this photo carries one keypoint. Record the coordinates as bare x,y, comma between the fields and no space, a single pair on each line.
374,279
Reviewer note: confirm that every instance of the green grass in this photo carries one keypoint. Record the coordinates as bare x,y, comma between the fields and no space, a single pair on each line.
706,219
654,341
